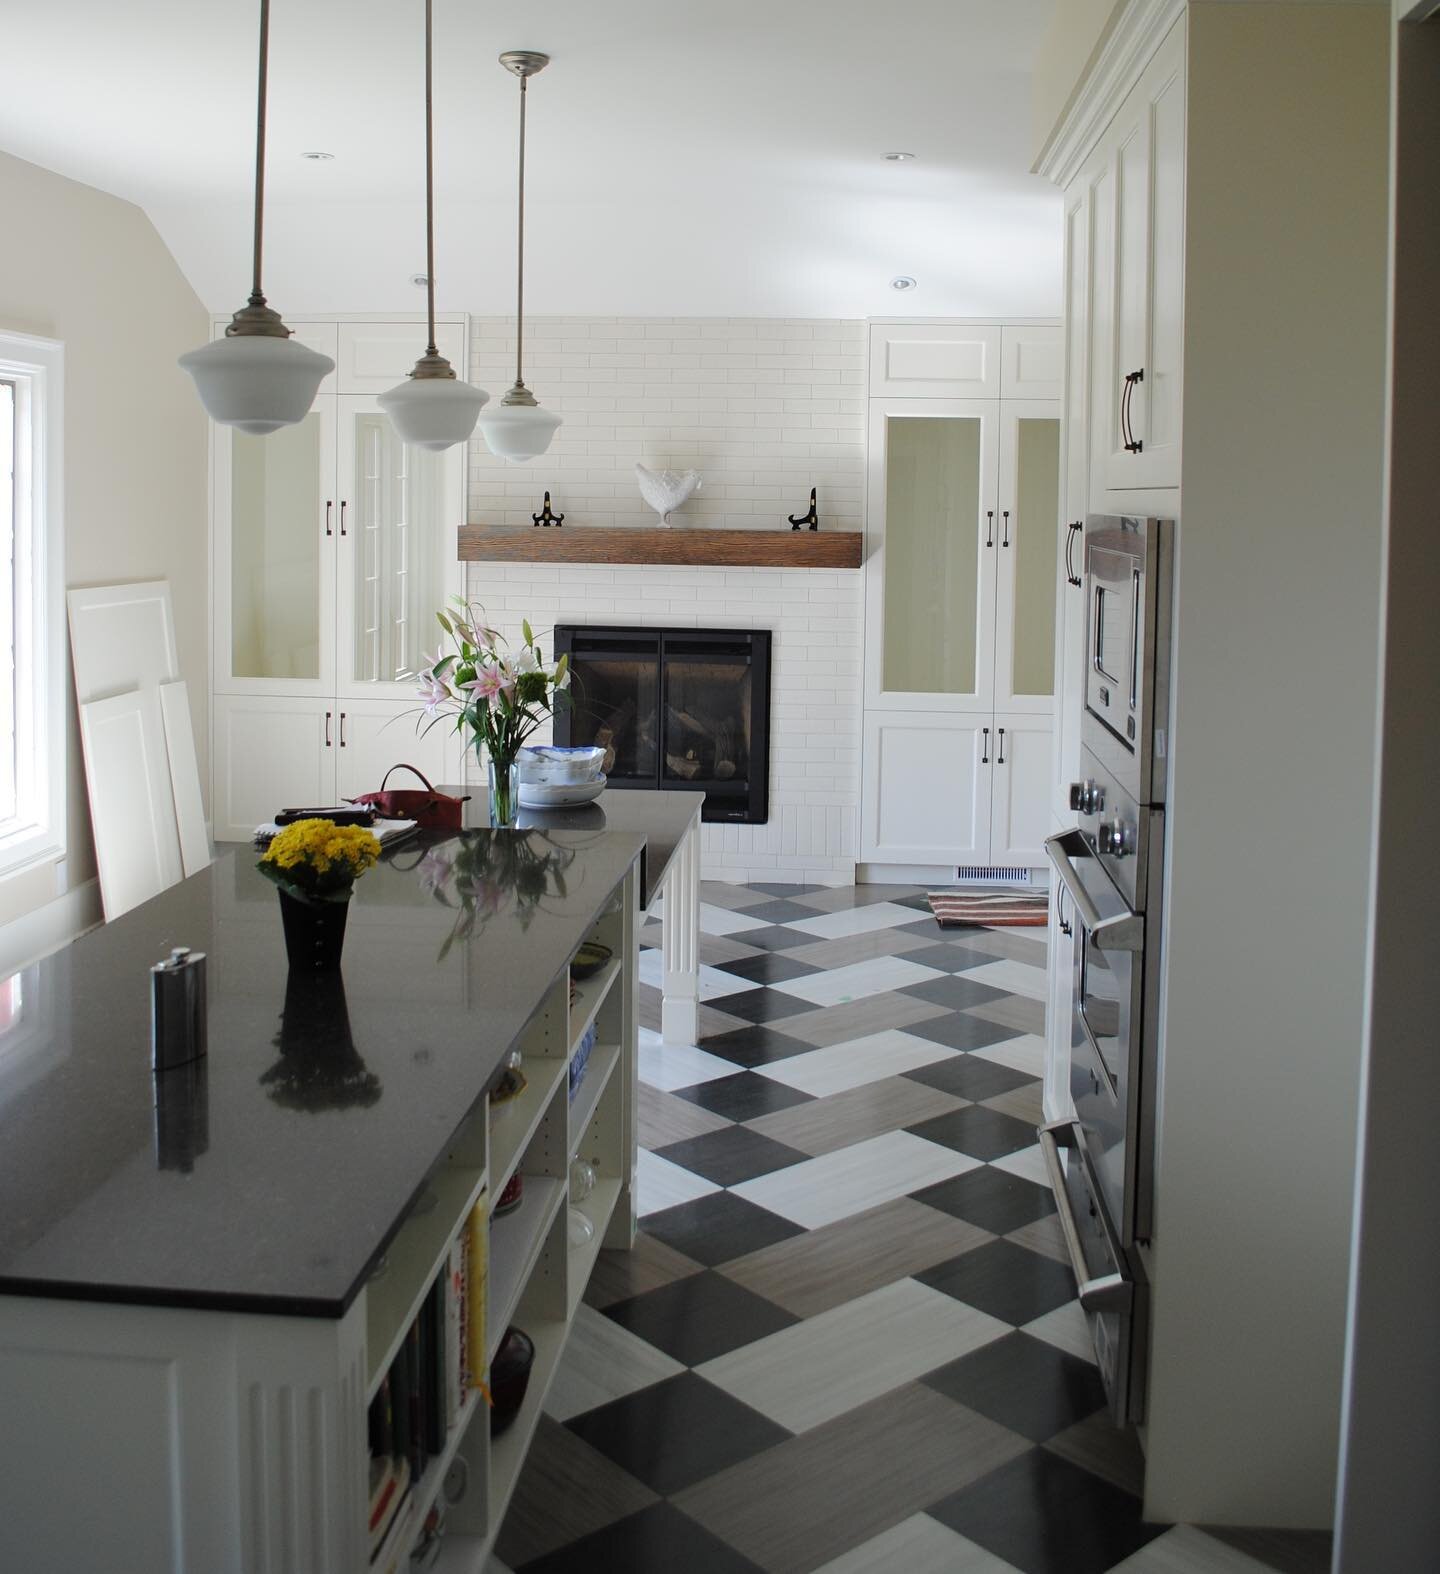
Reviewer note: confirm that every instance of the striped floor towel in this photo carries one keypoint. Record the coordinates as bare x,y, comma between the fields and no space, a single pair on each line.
951,908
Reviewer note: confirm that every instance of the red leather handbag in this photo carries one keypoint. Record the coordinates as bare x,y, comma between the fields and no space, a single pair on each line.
431,810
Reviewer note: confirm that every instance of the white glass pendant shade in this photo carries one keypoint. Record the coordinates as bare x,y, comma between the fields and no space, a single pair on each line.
518,431
257,382
433,412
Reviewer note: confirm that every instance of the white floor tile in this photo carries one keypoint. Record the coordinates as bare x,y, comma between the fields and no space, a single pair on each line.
1185,1550
603,1361
838,1067
1067,1328
826,1365
918,1545
715,982
855,920
1019,978
661,1184
1025,1054
847,1182
872,977
722,921
671,1066
1028,1164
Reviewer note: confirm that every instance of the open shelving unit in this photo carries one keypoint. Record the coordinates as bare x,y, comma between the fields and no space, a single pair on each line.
534,1276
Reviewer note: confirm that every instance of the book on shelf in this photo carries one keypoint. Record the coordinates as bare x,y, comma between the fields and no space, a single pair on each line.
392,1553
432,1352
389,1487
479,1241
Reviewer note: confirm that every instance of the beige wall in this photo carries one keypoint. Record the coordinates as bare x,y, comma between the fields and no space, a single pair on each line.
1076,32
85,268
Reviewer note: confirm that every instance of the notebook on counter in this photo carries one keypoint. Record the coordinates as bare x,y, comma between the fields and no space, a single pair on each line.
388,832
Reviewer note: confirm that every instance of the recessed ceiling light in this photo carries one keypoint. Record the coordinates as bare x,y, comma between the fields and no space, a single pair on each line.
899,158
902,281
420,280
317,156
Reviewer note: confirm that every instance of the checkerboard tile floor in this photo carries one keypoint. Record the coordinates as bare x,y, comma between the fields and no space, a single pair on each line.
846,1340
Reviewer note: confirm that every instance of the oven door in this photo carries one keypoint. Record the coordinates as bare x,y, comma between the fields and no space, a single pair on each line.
1105,1025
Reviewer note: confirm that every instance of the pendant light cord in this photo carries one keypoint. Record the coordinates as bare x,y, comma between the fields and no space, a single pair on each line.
430,348
257,295
520,253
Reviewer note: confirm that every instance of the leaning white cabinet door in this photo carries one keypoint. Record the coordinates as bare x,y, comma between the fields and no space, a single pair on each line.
399,508
270,754
1030,361
276,524
374,735
1020,794
374,356
1025,556
933,544
927,789
918,360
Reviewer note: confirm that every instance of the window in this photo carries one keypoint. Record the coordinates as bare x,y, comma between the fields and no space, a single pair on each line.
32,606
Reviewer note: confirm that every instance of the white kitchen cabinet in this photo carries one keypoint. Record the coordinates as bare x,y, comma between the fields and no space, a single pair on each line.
939,360
1031,357
1021,747
927,786
1025,557
333,546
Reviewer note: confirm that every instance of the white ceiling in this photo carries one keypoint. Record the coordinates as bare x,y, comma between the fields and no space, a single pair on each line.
686,156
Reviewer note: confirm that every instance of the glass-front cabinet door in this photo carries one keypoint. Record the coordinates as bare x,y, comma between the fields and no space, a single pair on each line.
274,557
1027,557
933,549
398,509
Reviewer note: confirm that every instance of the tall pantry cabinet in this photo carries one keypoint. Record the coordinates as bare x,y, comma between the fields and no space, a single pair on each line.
964,476
333,544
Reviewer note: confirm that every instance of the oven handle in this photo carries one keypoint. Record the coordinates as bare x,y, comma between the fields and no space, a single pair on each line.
1124,932
1106,1292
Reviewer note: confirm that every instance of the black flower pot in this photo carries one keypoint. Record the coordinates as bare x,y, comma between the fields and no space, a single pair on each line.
510,1377
314,932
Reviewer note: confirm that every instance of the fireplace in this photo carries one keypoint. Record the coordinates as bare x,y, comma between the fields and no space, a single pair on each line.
675,708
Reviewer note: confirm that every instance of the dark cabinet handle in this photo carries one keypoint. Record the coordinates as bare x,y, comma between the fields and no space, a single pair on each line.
1005,539
329,505
989,527
1000,757
327,729
342,517
1071,531
985,746
1133,444
342,729
1063,921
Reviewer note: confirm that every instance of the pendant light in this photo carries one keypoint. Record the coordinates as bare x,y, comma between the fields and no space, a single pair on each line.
517,428
432,408
257,378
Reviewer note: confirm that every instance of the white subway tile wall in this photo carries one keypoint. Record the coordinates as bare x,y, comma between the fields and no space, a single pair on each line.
764,409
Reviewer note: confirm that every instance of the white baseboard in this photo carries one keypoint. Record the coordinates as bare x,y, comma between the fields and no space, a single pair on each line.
26,939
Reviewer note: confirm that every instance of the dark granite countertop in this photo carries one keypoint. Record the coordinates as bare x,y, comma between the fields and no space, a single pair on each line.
272,1178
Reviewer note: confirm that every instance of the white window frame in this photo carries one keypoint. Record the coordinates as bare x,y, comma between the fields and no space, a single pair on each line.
36,832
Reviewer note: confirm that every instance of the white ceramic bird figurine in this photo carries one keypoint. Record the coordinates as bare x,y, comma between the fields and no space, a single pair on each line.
666,490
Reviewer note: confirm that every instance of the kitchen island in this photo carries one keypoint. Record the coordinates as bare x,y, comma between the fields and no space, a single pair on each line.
206,1275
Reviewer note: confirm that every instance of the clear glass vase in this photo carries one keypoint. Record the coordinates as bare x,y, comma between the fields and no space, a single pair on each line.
504,777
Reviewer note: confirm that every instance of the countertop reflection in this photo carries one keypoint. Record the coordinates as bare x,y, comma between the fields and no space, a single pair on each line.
269,1175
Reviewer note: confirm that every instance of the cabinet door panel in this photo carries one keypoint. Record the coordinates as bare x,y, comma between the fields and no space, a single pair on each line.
374,356
269,754
1026,556
934,361
1020,797
373,735
927,788
274,560
1104,401
1031,362
930,574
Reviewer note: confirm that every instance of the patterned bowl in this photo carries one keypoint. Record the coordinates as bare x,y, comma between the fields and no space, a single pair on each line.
544,765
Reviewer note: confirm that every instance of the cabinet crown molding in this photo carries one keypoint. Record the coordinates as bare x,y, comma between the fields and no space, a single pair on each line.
1123,55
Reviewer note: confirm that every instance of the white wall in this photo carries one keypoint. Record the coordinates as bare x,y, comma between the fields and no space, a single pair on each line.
1272,772
766,409
88,269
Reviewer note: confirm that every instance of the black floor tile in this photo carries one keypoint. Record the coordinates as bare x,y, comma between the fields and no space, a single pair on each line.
948,958
732,1156
776,938
956,992
785,892
1047,1516
674,1434
1024,1384
926,926
779,911
770,967
755,1044
980,1132
745,1096
764,1005
720,1227
658,1537
920,902
966,1076
1008,1281
990,1198
700,1317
